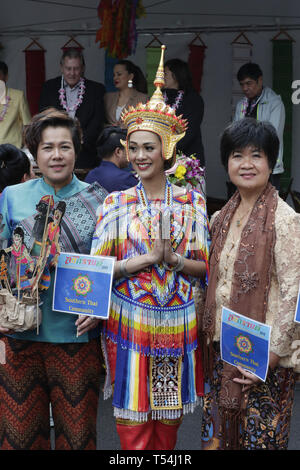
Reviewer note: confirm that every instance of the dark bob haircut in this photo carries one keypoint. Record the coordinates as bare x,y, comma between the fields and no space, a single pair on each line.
249,132
181,72
51,117
14,164
249,70
109,140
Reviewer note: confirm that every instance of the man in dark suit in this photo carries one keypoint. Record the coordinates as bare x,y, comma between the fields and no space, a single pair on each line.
81,98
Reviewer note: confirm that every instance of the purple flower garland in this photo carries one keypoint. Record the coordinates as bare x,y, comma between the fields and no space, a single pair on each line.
62,96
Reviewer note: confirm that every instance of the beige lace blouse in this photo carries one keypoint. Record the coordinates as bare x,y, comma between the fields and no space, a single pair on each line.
284,284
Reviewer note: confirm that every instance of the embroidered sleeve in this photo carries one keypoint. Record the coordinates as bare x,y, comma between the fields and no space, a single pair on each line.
287,266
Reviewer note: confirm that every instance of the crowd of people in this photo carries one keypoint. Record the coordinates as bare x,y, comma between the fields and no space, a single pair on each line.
174,269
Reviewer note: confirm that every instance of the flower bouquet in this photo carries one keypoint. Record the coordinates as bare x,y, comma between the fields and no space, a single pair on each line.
187,172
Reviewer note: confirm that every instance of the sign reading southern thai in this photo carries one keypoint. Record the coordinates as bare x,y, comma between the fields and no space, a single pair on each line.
245,342
83,284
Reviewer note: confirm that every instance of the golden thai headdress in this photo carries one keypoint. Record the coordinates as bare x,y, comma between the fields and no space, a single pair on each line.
156,116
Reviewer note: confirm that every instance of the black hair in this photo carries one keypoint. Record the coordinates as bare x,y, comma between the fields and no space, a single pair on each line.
51,117
14,164
3,68
109,140
249,131
182,74
19,231
139,81
171,162
250,70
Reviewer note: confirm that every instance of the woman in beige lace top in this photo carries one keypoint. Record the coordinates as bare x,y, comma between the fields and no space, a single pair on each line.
131,88
255,271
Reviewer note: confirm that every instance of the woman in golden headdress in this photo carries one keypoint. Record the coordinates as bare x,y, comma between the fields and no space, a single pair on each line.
158,233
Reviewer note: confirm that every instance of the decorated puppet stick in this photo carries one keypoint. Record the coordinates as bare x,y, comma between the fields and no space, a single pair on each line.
42,258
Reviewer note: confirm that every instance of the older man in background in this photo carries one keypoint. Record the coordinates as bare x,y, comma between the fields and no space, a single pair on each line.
81,98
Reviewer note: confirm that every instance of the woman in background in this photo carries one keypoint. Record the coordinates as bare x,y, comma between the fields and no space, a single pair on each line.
180,94
131,89
15,166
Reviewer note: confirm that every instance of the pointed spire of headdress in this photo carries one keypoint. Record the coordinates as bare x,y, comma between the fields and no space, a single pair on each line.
156,116
159,81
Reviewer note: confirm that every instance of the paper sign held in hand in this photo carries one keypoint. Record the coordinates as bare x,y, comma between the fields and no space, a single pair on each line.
245,342
83,284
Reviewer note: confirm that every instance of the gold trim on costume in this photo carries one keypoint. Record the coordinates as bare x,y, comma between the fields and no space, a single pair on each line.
171,422
130,422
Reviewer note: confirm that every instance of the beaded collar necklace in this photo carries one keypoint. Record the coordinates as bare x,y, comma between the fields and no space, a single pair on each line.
62,96
143,200
5,107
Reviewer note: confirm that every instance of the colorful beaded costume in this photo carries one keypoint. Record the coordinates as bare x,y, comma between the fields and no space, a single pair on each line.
152,316
150,340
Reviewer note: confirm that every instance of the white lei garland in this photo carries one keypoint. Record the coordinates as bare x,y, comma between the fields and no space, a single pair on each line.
62,96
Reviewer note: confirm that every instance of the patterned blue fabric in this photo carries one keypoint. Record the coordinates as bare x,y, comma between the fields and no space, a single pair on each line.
18,206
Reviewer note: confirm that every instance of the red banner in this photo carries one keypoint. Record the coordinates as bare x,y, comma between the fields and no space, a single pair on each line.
196,59
35,77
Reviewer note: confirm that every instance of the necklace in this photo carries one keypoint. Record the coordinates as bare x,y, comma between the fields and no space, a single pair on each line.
246,103
177,100
238,222
5,107
142,196
62,96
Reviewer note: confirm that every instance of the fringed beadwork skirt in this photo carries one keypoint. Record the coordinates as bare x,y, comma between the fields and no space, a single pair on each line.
153,360
268,414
